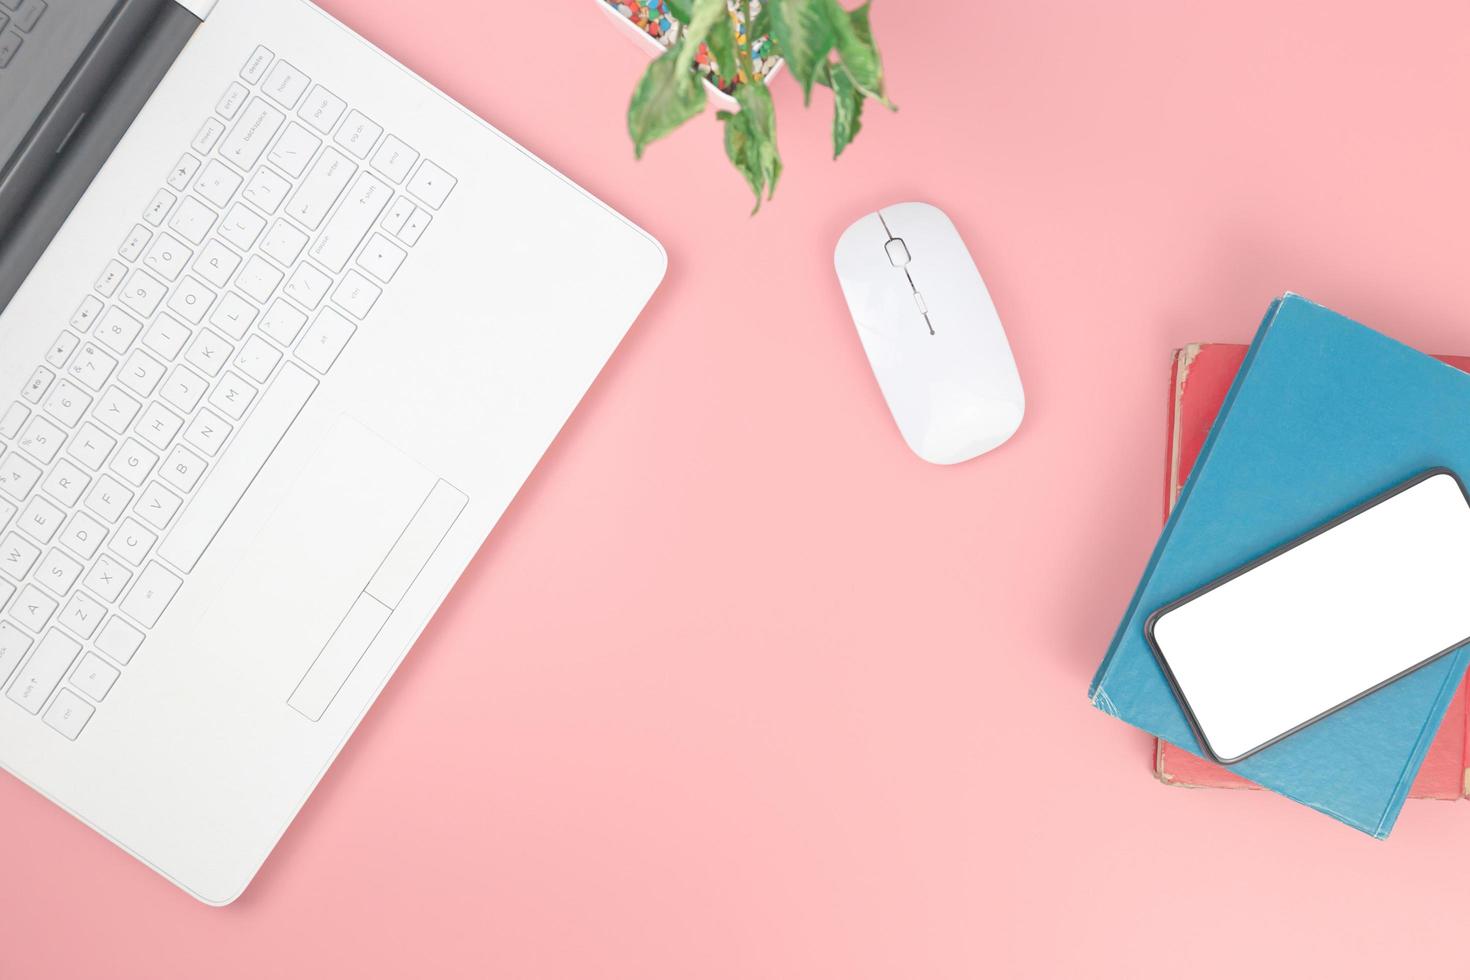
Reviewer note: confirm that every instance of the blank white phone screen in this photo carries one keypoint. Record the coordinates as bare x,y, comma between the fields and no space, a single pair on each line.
1320,624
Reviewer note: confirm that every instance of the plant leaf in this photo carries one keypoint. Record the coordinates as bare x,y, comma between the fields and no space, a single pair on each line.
803,33
847,116
750,140
682,10
670,93
762,25
853,37
723,48
703,16
667,96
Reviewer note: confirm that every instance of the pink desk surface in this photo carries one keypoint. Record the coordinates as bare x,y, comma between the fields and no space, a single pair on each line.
740,688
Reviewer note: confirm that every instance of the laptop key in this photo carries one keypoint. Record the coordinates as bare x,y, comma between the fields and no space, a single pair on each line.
286,83
40,675
107,579
13,418
42,439
395,159
293,151
208,135
258,279
350,224
17,555
41,519
116,410
431,184
133,245
241,226
33,610
217,183
414,227
159,207
216,263
230,102
324,341
112,275
151,594
13,647
61,350
86,314
259,61
207,432
18,476
157,505
266,190
69,714
357,294
359,135
143,293
9,44
119,640
284,242
84,535
182,468
66,483
183,172
167,256
321,110
251,134
92,366
94,677
82,615
308,285
282,323
192,220
29,14
381,258
108,500
59,571
191,300
320,189
132,542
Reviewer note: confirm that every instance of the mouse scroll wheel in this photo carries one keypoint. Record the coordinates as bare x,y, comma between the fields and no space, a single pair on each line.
898,252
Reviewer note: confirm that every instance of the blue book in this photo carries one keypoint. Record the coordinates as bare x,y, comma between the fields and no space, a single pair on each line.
1324,415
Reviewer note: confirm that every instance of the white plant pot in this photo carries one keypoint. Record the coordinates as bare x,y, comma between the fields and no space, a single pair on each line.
656,47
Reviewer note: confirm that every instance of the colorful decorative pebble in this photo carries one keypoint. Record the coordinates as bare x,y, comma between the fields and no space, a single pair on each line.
653,17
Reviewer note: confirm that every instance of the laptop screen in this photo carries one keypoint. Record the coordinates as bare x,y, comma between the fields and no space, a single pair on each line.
40,46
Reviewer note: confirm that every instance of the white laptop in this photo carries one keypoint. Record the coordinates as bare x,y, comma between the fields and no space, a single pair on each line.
284,330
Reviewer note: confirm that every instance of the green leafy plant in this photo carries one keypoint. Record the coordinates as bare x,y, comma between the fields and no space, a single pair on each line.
821,42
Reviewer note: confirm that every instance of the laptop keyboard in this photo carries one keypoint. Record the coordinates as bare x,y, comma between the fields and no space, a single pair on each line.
249,270
17,19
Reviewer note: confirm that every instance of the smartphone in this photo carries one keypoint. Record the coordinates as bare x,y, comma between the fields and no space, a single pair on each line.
1322,621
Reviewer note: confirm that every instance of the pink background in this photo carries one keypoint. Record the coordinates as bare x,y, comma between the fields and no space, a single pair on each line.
740,688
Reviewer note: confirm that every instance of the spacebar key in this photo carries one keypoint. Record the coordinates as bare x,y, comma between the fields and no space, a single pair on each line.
237,469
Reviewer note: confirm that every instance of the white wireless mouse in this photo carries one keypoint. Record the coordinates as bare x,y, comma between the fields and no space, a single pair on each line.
931,332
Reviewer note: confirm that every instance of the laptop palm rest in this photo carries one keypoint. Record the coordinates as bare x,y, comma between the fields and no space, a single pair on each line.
361,567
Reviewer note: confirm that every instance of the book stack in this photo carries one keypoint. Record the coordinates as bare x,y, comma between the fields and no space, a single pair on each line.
1199,377
1316,417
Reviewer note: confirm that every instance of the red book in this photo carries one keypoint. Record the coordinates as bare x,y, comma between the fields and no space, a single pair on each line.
1198,381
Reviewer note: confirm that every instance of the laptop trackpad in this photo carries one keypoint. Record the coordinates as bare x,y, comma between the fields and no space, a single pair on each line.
353,531
417,542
